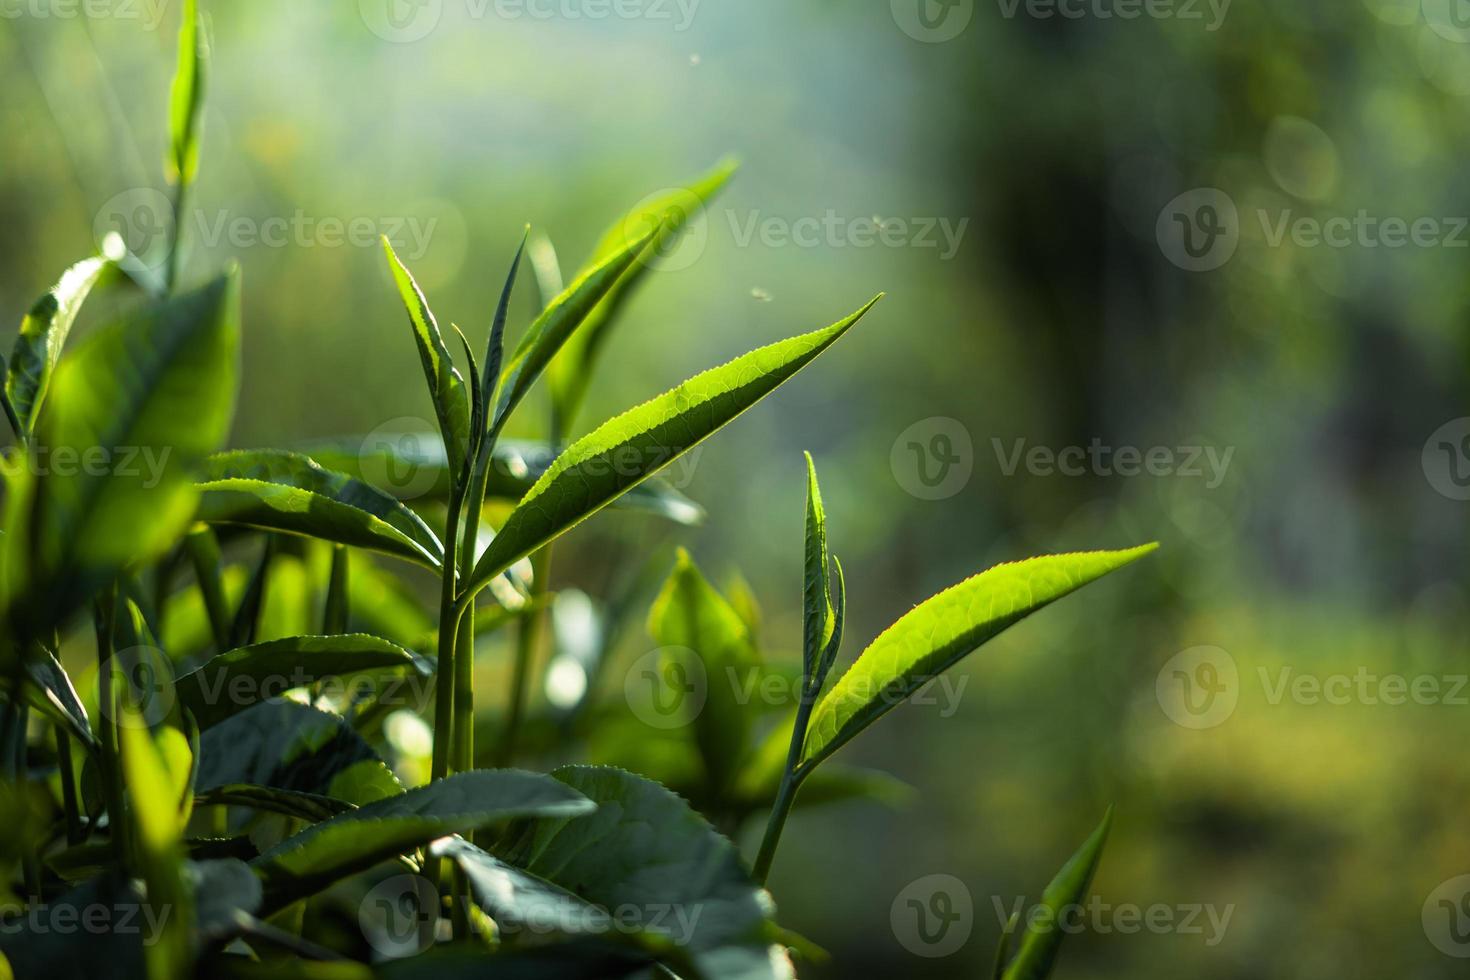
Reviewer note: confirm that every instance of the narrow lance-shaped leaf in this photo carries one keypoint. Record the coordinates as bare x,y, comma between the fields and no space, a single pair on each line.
141,401
43,333
549,331
1044,932
275,490
623,452
186,97
839,616
816,619
941,631
668,215
446,385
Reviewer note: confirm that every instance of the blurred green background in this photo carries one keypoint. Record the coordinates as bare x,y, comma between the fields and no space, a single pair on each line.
1054,148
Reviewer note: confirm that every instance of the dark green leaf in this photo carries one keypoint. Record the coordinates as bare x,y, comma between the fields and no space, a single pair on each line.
238,679
1044,934
283,491
311,860
291,803
140,402
289,746
942,630
669,860
689,616
43,332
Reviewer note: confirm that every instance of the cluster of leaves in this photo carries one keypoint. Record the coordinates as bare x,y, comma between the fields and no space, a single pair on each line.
231,822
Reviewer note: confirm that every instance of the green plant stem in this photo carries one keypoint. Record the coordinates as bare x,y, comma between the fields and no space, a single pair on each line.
107,729
171,270
791,781
68,788
528,637
449,616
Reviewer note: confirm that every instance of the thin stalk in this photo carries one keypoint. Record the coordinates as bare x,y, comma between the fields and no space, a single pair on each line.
68,788
171,273
107,729
449,615
528,637
791,781
204,554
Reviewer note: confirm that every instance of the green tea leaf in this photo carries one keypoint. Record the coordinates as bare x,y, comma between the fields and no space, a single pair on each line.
667,216
186,96
522,903
690,615
52,693
556,324
133,410
283,745
238,679
269,799
446,384
667,857
43,333
942,630
311,860
276,490
817,618
623,452
1044,934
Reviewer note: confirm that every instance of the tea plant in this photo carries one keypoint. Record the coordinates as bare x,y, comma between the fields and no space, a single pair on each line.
211,810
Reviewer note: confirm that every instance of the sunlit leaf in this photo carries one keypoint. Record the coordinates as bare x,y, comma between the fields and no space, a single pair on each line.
186,97
43,333
942,630
623,452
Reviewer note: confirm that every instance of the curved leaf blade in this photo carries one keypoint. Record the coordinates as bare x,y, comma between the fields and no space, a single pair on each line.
557,323
668,858
186,97
141,402
942,630
817,616
354,841
276,490
239,679
623,452
1043,937
668,215
446,385
43,333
